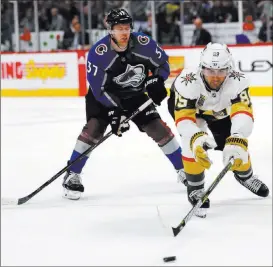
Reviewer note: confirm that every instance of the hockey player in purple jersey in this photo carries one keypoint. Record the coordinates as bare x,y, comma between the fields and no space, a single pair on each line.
118,69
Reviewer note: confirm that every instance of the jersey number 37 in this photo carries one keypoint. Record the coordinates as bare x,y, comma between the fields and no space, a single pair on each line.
89,68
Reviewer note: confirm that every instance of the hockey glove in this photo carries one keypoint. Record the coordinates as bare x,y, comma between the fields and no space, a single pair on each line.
199,143
116,116
236,147
155,88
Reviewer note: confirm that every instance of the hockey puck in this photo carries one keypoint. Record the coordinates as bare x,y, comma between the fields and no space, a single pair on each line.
167,259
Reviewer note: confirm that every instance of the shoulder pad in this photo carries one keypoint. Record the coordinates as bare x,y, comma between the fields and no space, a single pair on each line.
101,53
187,83
237,82
149,48
143,39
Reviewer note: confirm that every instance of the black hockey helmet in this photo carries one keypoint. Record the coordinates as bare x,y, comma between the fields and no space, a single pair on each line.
118,16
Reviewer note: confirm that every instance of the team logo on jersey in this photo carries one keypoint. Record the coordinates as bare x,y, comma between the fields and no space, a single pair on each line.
144,40
220,114
201,100
101,49
188,78
236,75
133,76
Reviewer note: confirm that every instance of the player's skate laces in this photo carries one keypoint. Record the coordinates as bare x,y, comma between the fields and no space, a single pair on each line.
181,177
254,185
72,185
194,197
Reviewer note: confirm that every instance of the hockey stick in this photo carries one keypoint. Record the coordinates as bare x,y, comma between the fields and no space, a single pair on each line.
176,230
7,201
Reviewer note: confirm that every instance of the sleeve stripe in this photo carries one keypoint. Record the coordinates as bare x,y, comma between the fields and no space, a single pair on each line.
188,159
110,99
185,118
244,112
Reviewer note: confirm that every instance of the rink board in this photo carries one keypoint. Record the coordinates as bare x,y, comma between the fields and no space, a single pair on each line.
64,73
254,91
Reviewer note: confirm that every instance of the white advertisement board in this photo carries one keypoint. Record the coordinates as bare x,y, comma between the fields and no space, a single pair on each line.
34,71
64,73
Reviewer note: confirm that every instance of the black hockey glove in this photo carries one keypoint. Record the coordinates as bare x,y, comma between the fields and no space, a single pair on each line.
156,89
116,116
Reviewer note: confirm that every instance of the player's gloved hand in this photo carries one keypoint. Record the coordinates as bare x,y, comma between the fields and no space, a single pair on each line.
156,89
199,143
236,147
116,116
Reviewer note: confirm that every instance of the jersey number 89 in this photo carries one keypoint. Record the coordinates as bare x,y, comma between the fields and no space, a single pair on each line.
245,97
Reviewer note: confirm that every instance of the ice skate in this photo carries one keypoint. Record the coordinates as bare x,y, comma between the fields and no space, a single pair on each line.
254,185
194,195
181,177
72,185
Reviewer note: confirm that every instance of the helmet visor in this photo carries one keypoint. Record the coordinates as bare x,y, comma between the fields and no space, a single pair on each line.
215,72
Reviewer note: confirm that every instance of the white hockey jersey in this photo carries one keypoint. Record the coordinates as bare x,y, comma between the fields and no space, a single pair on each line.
191,98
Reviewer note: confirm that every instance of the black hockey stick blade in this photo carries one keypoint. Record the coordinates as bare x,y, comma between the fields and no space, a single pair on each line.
14,201
176,230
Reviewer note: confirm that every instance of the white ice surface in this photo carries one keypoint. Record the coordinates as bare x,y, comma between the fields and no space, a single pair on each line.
131,197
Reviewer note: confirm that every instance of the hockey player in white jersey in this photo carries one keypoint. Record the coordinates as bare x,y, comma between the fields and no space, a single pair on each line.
214,96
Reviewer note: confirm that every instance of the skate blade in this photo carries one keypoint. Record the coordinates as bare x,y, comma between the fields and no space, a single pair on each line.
73,195
201,213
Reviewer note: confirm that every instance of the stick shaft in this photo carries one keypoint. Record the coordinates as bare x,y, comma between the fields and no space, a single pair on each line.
53,178
182,224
